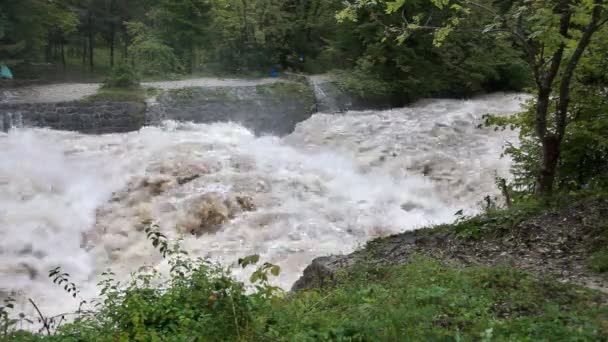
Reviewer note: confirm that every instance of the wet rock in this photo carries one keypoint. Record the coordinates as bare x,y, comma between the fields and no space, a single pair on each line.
186,179
208,215
246,203
320,273
427,169
156,185
409,206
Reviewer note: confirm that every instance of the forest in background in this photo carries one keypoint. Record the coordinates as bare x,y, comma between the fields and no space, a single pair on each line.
168,39
385,51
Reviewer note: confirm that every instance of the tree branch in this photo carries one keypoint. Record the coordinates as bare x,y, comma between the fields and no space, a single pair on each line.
564,91
43,319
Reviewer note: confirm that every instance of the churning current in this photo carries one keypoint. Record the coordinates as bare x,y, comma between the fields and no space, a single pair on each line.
77,201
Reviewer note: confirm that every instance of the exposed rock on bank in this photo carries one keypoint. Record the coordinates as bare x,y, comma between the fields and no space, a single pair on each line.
557,244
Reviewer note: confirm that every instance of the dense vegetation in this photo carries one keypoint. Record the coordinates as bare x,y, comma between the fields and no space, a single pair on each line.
168,38
420,301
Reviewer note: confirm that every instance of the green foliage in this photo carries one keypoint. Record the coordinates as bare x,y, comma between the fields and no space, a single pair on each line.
364,84
552,37
410,66
25,26
584,149
426,300
599,260
287,90
496,220
6,321
183,25
250,35
207,94
153,56
121,95
423,300
122,76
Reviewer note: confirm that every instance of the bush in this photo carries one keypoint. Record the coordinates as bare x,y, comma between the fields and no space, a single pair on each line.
122,76
364,84
421,301
154,58
599,260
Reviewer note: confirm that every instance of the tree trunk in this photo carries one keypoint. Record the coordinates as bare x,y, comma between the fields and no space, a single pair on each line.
84,51
551,142
192,59
551,148
112,39
48,49
91,43
91,51
125,51
63,54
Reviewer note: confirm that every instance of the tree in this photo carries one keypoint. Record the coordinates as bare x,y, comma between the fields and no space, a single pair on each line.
183,24
153,55
30,26
251,35
553,35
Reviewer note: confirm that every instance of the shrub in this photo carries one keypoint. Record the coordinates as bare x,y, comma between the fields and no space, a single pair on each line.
154,58
122,76
420,301
599,260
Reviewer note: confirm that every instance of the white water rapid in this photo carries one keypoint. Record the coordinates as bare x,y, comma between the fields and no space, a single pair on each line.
76,201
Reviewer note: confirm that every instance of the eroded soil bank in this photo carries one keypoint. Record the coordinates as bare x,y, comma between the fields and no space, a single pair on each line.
557,243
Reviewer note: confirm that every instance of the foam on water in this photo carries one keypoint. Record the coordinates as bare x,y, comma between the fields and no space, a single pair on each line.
339,180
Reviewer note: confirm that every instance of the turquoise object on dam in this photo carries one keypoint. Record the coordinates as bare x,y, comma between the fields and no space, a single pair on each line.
5,72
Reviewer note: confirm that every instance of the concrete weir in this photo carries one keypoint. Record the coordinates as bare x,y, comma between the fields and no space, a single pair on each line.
266,106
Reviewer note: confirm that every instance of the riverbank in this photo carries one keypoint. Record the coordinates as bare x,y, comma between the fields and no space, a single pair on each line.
566,243
504,276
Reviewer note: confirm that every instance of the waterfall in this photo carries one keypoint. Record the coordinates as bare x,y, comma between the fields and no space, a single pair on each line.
326,103
11,120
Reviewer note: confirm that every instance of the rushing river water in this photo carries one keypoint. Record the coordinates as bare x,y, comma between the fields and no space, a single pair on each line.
77,201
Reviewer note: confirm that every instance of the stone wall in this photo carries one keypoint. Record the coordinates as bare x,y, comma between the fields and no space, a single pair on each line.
83,116
266,109
274,108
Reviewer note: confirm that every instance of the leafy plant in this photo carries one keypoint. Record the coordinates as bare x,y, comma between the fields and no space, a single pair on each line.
122,76
599,260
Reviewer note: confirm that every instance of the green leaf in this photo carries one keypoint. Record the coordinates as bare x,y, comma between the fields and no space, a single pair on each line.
275,270
249,260
394,6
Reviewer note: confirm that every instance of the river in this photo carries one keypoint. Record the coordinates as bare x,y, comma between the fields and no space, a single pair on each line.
77,201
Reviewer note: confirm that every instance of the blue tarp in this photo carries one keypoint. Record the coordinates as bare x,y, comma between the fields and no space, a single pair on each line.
5,72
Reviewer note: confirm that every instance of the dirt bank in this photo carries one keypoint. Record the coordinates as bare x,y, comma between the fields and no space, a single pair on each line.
557,243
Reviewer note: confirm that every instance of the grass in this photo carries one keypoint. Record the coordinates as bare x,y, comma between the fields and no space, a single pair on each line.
122,95
493,220
207,94
599,260
429,301
424,300
288,90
